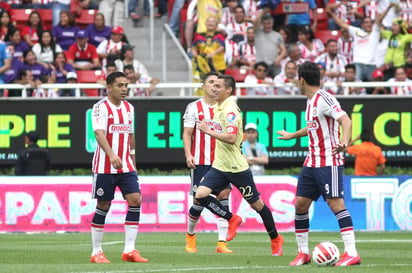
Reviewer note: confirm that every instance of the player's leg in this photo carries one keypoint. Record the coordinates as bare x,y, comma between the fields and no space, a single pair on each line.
334,198
103,191
306,192
223,224
129,185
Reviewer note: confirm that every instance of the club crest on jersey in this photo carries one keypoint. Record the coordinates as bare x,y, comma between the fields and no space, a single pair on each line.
312,125
119,128
315,111
230,117
100,192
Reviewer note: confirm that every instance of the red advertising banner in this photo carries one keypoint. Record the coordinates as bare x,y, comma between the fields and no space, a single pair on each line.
53,204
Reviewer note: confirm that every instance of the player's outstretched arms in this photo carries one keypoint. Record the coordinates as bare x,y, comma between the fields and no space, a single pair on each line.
286,135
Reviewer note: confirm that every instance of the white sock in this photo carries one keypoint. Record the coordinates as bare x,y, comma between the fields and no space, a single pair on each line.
97,238
348,237
222,228
302,238
191,224
130,237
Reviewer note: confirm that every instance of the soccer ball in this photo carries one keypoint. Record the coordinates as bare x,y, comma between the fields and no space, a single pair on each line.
325,253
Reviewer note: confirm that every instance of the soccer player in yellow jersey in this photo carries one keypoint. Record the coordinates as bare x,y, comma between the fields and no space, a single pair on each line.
230,166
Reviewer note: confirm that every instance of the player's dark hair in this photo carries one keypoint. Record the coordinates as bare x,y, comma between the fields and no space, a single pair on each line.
240,7
208,74
366,135
113,76
229,82
263,64
350,66
306,30
128,67
331,41
310,72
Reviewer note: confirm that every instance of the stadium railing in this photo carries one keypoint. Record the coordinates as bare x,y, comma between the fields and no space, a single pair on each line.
186,88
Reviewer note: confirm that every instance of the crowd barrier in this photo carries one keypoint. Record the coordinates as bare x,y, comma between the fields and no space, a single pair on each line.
64,204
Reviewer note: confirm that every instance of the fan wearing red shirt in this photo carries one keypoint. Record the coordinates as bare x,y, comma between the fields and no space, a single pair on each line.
82,55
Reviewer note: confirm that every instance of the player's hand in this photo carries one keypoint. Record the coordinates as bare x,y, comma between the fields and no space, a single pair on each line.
202,126
284,135
338,149
116,162
190,162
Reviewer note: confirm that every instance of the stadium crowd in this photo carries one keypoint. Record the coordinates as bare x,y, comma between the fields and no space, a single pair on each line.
350,40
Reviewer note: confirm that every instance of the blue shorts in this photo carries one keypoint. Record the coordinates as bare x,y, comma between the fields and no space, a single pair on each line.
217,181
104,185
196,175
325,181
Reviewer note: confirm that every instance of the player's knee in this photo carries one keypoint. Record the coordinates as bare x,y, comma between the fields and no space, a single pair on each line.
103,204
258,205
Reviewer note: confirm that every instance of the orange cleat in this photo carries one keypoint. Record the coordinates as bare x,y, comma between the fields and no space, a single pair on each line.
222,248
191,243
134,256
301,259
234,222
277,246
99,259
346,260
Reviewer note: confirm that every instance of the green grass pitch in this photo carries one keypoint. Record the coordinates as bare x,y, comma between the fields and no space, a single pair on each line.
380,252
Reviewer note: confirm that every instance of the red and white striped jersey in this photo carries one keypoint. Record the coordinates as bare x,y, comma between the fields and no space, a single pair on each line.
405,10
401,90
227,16
337,64
311,55
371,9
251,8
322,114
231,51
345,48
247,51
236,30
203,145
118,124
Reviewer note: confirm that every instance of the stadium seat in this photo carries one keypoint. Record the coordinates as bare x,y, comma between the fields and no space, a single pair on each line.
322,19
325,35
239,73
46,17
89,76
86,18
21,17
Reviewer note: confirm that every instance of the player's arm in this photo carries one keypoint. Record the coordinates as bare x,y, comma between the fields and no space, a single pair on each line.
229,138
187,146
132,142
346,124
286,135
101,139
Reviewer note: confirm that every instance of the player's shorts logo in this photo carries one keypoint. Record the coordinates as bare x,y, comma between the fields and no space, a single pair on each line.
100,192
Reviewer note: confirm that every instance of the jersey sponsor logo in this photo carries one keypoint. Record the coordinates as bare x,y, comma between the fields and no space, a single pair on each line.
119,128
230,117
218,128
312,125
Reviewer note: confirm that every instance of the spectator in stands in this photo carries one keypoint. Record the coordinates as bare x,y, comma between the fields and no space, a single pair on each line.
32,160
41,92
113,11
33,28
211,46
284,31
369,159
6,25
247,50
58,7
400,76
377,76
82,55
61,68
236,31
366,40
231,52
174,20
335,63
30,63
255,152
399,39
259,75
228,12
19,45
251,9
65,32
110,50
270,47
135,78
98,31
70,77
77,6
12,74
39,4
295,21
310,46
46,49
127,58
348,11
324,80
26,78
287,82
350,76
110,68
295,55
132,6
405,11
345,45
15,4
5,63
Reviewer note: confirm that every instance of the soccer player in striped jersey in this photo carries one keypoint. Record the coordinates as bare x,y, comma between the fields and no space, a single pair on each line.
200,153
230,165
114,166
322,170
